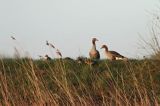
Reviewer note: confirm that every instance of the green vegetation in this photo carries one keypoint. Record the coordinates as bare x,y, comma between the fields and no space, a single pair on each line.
66,82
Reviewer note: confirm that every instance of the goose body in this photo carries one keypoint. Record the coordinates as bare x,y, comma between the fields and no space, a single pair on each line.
113,55
94,53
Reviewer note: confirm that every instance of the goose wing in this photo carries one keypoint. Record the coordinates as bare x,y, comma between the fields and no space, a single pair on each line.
116,54
98,55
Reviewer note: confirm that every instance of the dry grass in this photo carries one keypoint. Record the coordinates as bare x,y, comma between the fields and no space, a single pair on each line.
65,82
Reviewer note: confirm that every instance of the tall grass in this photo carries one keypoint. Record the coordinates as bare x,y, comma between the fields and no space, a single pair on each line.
65,82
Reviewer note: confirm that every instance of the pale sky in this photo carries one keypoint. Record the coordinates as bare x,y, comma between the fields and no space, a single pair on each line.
71,24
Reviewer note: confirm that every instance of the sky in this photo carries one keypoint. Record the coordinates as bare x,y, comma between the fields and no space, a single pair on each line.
71,24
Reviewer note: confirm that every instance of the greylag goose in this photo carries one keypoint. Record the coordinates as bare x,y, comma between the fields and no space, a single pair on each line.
94,53
113,55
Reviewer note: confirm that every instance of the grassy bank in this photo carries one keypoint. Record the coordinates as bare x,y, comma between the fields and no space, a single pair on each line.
66,82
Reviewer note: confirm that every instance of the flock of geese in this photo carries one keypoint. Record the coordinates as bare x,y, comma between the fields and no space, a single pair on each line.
94,53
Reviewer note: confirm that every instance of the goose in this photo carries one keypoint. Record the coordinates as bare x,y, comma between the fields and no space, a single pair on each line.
94,53
113,55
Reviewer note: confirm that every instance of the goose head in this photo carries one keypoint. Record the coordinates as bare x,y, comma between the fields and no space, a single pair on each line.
94,40
104,47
